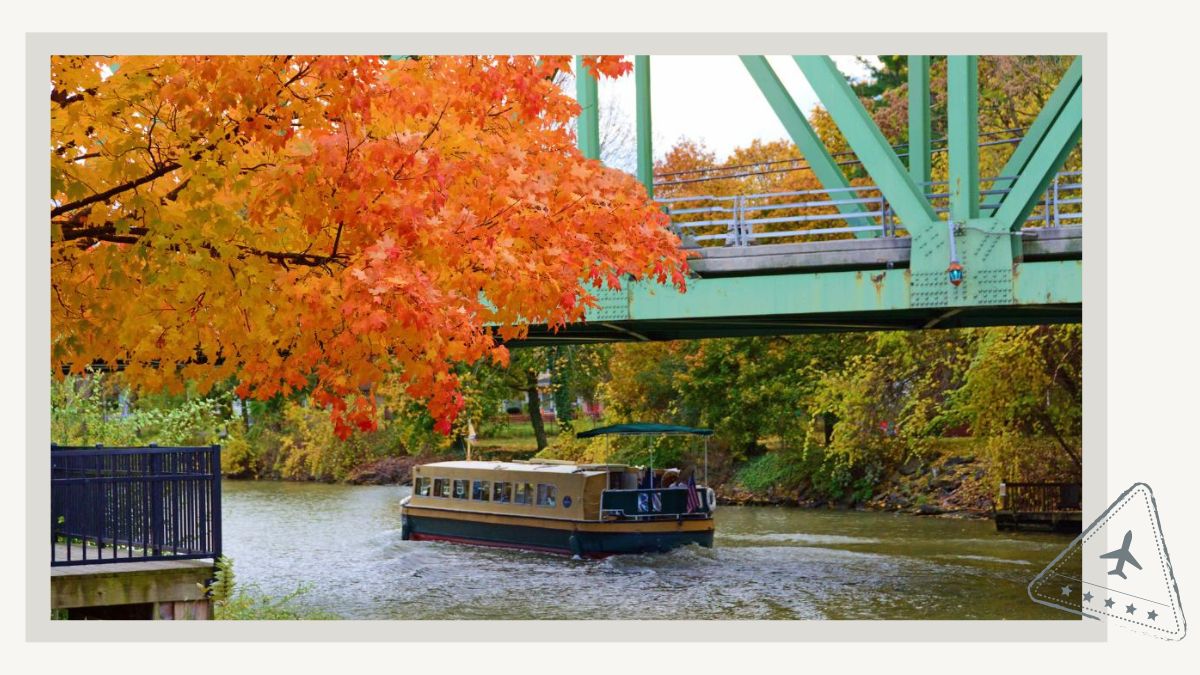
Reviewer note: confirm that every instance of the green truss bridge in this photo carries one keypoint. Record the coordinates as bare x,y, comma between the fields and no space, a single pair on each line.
904,252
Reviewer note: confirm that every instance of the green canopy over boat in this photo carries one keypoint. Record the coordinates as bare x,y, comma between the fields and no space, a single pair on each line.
643,429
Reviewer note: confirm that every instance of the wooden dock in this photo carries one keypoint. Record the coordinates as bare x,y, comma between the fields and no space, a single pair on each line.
1052,507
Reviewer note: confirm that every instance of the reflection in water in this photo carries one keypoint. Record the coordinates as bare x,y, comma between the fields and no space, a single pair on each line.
343,542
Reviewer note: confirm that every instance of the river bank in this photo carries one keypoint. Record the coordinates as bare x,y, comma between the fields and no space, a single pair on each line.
950,480
953,482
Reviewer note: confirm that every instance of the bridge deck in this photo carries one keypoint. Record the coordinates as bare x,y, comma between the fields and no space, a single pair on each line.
1051,243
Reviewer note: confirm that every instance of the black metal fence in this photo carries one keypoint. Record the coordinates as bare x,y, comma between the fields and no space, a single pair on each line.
1041,497
133,504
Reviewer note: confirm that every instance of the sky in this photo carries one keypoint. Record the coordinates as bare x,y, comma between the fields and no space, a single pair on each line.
713,99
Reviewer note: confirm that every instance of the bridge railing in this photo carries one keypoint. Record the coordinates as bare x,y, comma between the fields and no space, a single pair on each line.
805,215
134,504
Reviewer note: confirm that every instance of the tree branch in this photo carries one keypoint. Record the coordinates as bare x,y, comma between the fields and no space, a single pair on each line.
108,233
137,182
1049,424
65,98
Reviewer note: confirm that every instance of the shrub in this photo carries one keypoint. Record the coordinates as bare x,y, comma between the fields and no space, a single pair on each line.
233,603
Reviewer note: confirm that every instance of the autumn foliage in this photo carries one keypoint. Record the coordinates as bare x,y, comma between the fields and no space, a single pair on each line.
323,221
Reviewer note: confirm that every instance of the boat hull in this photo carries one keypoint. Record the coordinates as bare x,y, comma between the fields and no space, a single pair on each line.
564,537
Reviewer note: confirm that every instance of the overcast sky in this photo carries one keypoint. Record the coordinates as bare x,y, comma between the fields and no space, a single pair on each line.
714,99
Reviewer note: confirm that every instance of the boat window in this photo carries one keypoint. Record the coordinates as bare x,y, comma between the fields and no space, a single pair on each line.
502,492
547,495
423,486
441,487
480,490
460,489
523,494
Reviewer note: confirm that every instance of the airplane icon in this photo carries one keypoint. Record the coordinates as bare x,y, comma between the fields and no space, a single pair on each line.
1122,556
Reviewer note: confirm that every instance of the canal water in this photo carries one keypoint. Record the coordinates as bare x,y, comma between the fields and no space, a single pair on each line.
343,543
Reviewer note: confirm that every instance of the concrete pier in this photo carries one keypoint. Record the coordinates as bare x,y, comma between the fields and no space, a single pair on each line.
153,589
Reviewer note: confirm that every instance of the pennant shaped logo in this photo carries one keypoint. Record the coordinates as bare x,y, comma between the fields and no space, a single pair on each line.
1118,570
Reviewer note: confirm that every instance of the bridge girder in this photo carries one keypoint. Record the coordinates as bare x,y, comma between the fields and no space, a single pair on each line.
862,300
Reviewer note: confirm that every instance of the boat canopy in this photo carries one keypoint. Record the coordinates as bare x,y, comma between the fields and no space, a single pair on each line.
643,429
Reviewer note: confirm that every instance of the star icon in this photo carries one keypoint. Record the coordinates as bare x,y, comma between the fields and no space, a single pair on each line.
1130,609
1152,615
1087,597
1066,590
1108,602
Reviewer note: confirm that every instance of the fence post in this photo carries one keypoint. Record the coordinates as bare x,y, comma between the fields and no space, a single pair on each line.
215,510
157,528
1057,178
740,220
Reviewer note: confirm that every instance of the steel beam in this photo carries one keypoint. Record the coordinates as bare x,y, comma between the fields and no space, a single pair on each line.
645,147
588,131
1049,157
920,149
1034,283
1036,133
962,90
867,141
819,160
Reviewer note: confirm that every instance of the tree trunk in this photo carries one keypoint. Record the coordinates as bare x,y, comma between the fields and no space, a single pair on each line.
245,407
535,410
1062,442
563,393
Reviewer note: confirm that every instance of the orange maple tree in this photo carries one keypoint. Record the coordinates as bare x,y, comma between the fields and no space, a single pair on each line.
323,221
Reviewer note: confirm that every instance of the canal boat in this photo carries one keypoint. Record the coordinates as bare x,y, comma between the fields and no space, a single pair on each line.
553,506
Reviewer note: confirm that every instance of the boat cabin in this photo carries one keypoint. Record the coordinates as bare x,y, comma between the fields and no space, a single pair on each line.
554,489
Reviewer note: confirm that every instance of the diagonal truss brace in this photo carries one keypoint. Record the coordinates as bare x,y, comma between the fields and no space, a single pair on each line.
867,141
1036,134
821,162
1045,161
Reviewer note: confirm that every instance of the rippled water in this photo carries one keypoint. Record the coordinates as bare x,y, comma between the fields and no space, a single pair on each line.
767,563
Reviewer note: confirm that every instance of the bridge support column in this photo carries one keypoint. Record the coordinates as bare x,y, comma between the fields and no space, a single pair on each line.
919,136
966,260
588,131
645,147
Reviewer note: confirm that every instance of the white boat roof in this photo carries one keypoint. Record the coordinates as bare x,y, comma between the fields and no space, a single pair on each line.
547,467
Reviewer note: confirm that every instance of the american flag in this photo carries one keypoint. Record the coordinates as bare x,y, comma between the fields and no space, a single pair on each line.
693,498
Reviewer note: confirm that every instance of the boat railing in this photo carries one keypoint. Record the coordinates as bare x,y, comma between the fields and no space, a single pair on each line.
648,504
